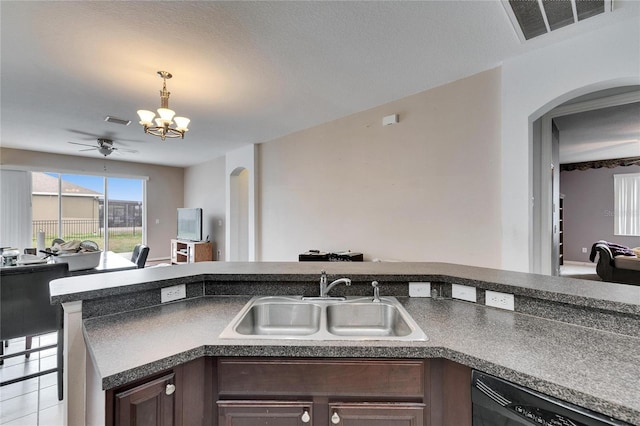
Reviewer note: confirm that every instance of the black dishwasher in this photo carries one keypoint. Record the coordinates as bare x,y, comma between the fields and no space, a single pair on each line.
497,402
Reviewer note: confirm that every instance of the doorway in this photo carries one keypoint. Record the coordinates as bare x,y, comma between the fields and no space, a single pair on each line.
546,173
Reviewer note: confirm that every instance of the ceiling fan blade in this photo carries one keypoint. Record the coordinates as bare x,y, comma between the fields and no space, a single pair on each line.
83,144
132,151
87,149
80,132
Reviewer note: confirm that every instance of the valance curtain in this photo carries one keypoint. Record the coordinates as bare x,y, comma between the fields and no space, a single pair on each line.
627,204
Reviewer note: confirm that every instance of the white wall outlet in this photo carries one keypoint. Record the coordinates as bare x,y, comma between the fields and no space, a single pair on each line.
175,292
584,249
463,292
499,300
419,289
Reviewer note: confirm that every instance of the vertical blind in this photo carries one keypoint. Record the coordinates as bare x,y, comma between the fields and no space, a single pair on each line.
15,209
627,204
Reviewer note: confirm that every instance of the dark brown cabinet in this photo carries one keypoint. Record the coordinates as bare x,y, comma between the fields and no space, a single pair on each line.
265,413
297,392
376,414
151,403
348,392
171,398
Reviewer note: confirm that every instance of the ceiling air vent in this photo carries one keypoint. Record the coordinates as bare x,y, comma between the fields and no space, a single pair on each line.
110,119
532,18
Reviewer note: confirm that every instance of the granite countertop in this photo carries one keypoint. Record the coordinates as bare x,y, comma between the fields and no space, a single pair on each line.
594,294
595,369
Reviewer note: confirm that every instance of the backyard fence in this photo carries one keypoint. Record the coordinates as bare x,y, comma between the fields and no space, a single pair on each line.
84,228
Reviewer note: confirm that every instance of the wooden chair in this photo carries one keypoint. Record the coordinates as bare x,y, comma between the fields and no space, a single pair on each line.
26,310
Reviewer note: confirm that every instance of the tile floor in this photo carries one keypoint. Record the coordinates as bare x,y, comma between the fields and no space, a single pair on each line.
35,401
577,268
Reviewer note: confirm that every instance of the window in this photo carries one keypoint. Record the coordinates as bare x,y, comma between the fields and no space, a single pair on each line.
72,207
627,204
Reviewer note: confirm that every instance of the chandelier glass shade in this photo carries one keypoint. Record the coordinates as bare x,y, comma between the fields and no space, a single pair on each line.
164,126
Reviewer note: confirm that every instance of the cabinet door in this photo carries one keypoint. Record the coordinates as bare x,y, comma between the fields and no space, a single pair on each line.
376,414
148,404
264,413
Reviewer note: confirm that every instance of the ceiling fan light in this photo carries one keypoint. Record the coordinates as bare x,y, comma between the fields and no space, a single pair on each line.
166,114
146,117
182,123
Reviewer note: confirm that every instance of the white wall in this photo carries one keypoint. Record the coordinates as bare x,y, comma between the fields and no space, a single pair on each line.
236,161
165,186
425,189
536,82
204,187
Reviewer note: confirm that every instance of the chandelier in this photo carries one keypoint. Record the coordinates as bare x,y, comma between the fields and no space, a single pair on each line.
164,125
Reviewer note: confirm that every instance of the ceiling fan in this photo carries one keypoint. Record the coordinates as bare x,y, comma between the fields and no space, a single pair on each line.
105,147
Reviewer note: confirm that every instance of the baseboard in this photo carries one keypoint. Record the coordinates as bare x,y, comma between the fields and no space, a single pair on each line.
576,263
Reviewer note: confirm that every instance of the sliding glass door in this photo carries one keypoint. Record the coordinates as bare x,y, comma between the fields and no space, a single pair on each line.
71,207
124,214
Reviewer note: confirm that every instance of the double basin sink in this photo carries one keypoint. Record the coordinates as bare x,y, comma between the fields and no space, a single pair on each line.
330,318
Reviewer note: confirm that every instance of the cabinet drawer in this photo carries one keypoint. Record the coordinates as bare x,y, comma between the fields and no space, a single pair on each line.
265,413
376,414
344,377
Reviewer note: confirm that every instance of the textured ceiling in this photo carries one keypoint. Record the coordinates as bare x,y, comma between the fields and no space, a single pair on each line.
244,72
601,134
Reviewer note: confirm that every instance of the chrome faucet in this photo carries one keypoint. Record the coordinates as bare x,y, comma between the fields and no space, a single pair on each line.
324,288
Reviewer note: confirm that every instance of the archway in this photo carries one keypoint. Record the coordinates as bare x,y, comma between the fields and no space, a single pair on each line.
545,165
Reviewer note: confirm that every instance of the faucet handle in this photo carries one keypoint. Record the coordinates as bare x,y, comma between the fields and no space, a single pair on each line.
376,291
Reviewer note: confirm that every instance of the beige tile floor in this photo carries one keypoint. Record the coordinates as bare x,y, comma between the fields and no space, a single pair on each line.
35,401
577,268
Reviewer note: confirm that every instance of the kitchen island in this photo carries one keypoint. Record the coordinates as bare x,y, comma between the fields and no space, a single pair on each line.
572,339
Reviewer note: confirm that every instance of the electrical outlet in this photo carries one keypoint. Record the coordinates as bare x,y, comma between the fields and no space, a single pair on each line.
499,300
584,249
419,289
176,292
219,255
463,292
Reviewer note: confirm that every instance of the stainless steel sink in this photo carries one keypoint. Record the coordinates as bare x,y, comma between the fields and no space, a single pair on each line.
354,318
277,317
366,319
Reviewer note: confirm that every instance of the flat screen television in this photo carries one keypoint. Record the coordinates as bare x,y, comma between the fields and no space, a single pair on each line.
190,224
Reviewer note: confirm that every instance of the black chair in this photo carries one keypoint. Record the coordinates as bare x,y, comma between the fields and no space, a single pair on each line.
139,255
26,310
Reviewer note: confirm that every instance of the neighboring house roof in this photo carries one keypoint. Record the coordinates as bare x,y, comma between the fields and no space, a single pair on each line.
43,184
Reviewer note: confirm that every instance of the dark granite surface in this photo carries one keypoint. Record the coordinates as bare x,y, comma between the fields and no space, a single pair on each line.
596,369
593,294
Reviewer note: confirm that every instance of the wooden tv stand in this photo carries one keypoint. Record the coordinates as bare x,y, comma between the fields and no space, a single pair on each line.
190,251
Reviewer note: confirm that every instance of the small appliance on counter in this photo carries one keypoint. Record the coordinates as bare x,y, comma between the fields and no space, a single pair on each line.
321,256
10,256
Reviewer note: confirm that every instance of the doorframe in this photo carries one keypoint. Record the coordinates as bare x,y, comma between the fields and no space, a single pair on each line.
545,226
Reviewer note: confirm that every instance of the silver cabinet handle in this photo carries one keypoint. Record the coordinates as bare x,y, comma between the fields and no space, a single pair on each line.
171,388
335,419
306,418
